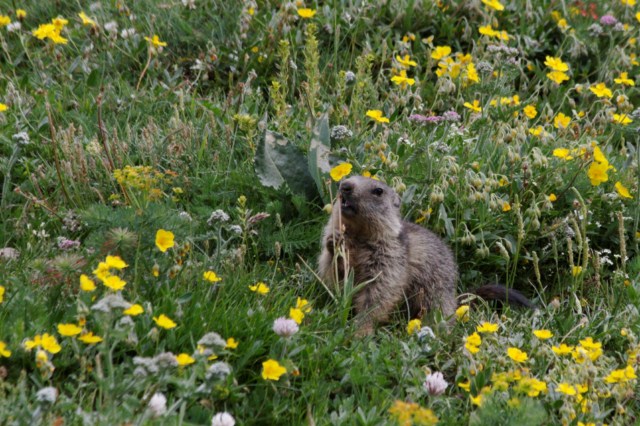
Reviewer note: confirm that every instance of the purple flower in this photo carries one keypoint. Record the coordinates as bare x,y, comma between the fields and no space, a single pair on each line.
451,116
285,327
425,119
608,20
67,244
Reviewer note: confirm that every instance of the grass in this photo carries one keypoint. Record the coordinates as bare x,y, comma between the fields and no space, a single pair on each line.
108,138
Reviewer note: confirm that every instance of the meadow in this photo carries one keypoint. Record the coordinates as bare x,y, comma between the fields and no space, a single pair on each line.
168,166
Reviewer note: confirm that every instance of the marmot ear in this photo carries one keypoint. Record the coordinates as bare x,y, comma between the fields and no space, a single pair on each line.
396,201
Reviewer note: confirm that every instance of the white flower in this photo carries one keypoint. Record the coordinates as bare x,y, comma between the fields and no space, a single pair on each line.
158,404
223,419
111,27
14,26
47,395
435,384
218,370
189,4
285,327
127,33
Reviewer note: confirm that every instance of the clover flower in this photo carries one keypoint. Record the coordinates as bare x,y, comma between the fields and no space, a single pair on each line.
285,327
157,405
223,419
435,384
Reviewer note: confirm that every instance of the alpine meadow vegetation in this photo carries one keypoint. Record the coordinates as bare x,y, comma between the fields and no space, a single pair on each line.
168,166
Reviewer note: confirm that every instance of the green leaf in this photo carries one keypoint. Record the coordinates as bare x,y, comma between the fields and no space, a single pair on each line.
319,150
278,161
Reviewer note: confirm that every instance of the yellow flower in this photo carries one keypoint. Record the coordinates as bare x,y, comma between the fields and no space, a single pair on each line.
69,329
231,343
462,313
628,2
260,288
588,343
211,276
476,400
530,111
102,271
59,22
576,270
46,342
406,61
164,240
561,121
115,262
475,106
86,283
272,370
86,20
440,52
562,24
185,359
340,171
621,376
487,327
472,73
133,310
536,131
556,64
624,79
306,13
164,322
601,90
303,304
563,153
474,339
552,197
531,386
3,107
413,326
543,334
3,350
566,389
506,206
377,115
296,314
465,385
114,282
1,294
622,118
4,20
402,80
90,339
517,355
622,191
21,13
557,77
494,4
597,173
51,31
155,41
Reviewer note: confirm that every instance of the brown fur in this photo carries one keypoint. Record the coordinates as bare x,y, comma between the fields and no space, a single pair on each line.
397,260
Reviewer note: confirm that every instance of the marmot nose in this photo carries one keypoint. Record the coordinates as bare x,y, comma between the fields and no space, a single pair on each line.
346,187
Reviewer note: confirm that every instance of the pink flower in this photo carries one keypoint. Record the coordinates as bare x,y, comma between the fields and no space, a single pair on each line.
285,327
435,384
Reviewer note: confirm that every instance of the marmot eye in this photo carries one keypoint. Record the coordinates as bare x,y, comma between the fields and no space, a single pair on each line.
378,191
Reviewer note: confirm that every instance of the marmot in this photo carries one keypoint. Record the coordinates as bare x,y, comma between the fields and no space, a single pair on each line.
396,260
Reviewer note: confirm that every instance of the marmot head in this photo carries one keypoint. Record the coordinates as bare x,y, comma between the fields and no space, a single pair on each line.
370,209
